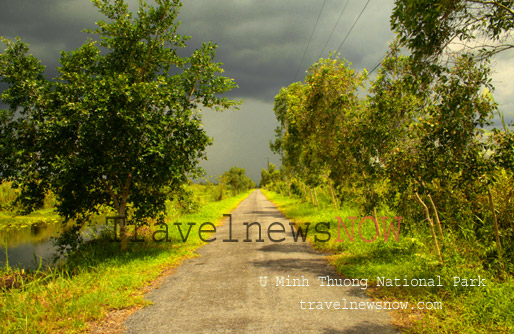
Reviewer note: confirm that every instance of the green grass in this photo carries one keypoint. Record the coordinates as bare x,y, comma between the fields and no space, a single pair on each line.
465,309
97,279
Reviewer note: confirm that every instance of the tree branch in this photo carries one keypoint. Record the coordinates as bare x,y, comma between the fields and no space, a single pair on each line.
494,3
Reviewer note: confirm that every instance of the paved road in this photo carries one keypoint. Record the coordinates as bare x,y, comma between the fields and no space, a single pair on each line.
221,291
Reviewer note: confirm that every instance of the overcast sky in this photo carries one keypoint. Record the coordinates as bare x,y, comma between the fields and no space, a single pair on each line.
260,42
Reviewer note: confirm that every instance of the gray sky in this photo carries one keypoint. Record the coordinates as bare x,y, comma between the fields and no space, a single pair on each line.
260,42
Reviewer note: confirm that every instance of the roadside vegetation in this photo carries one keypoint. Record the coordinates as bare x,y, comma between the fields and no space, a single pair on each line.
118,135
426,142
465,309
98,277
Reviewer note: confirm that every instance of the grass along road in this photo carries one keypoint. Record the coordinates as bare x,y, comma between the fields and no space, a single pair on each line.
99,285
221,290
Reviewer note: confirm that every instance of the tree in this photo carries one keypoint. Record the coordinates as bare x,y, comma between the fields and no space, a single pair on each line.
236,178
428,27
451,43
316,136
270,176
332,107
288,106
121,122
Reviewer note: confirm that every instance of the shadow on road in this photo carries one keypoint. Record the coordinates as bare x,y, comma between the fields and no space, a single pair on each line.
286,248
291,265
266,213
361,328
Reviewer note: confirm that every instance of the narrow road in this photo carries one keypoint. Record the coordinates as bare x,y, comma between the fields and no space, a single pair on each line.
221,290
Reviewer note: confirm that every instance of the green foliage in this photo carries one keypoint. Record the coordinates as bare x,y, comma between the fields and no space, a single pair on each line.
121,122
237,179
465,309
427,27
317,137
503,143
270,176
416,145
409,137
8,196
99,278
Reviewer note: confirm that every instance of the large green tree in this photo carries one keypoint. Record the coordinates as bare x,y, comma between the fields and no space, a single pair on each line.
119,124
288,106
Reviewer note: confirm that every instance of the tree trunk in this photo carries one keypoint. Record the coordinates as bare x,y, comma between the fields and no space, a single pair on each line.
376,219
123,212
432,228
436,217
332,193
495,221
120,207
123,229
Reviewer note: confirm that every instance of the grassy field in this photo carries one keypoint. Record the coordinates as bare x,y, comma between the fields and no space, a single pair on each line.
99,278
465,309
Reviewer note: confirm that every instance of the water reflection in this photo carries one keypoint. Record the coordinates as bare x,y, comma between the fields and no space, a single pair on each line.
28,256
30,246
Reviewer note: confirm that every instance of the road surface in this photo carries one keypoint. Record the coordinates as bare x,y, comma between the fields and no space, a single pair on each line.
224,290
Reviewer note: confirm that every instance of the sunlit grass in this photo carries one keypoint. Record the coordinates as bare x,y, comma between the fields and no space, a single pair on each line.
465,309
96,279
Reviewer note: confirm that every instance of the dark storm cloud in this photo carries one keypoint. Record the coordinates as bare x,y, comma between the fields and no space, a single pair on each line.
260,42
49,26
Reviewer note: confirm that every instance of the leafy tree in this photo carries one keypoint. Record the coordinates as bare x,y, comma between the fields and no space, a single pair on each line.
316,136
447,40
428,27
332,108
119,122
236,178
270,176
288,106
392,107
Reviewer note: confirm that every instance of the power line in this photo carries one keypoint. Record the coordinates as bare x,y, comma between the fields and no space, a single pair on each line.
376,66
310,39
333,29
379,63
354,23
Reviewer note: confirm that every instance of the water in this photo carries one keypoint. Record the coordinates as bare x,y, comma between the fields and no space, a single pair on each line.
29,247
